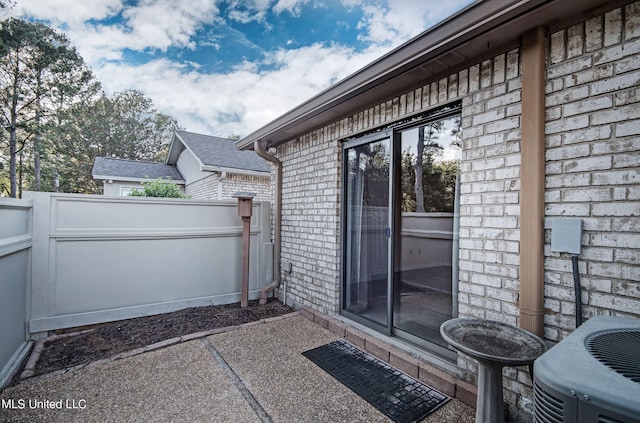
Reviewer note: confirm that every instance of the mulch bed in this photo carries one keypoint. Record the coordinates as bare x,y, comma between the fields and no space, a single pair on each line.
105,340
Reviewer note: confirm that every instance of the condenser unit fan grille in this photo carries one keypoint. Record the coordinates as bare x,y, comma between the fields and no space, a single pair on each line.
618,350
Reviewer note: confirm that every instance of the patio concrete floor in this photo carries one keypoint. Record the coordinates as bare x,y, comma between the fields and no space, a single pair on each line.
252,373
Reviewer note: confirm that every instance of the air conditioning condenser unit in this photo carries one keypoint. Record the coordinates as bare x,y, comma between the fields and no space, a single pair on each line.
591,376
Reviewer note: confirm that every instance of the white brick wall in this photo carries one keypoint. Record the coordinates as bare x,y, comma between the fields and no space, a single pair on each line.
310,221
489,225
204,189
207,188
489,214
258,184
592,172
593,163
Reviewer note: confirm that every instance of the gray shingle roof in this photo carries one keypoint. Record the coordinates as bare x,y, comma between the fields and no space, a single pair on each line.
118,168
222,152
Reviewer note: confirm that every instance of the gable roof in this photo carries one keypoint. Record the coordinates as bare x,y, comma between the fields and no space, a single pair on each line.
133,170
483,29
216,154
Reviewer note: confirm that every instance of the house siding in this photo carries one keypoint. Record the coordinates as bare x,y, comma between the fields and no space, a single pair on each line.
189,167
592,164
113,188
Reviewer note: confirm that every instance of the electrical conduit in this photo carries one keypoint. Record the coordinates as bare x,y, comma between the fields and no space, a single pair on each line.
277,220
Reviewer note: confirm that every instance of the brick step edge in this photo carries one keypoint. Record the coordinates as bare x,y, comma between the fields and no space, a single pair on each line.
430,375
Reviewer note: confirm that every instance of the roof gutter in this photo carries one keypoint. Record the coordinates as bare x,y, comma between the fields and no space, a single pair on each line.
237,171
277,220
132,179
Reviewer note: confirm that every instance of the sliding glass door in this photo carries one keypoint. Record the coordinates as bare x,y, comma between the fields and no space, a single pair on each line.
400,240
426,235
367,235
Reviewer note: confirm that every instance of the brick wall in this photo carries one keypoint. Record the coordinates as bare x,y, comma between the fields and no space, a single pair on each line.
246,183
593,162
208,188
204,189
490,191
490,208
593,145
310,221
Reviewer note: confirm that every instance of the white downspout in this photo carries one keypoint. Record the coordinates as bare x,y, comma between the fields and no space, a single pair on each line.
277,220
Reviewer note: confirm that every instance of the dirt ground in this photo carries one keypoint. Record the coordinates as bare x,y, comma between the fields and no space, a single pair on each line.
105,340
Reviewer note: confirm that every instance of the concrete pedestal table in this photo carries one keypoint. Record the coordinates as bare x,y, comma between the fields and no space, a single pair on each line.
494,345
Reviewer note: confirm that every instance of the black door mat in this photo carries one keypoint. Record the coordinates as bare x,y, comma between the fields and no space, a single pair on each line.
400,397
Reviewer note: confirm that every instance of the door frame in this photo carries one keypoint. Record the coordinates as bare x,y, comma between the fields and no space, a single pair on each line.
392,133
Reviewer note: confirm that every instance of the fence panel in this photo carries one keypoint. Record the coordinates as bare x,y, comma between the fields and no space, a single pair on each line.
15,255
99,258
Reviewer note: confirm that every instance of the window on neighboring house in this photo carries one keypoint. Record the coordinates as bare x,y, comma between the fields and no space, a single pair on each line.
126,190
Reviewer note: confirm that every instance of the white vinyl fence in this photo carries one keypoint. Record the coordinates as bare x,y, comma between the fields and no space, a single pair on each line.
98,258
70,260
15,259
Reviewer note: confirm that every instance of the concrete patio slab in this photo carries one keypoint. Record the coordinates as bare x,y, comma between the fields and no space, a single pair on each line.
177,383
250,374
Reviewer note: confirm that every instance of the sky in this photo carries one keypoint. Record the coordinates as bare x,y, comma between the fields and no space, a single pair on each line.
229,67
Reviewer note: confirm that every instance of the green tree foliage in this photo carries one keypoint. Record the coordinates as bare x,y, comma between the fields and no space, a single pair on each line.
438,183
427,181
159,188
57,120
37,65
123,126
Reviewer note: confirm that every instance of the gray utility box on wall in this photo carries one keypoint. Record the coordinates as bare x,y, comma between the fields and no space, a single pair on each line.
566,235
591,376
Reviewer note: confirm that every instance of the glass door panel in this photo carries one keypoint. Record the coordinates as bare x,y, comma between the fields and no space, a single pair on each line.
426,234
367,230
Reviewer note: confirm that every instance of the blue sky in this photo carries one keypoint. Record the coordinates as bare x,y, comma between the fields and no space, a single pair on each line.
224,67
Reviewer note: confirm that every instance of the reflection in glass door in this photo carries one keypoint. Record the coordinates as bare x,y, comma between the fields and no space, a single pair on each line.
425,263
367,230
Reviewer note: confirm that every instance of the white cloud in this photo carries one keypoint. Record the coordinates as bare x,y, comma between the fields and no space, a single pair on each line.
292,6
67,11
246,11
239,101
165,23
397,21
151,24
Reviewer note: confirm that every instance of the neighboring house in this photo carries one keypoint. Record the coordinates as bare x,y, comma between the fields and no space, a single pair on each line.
536,105
214,168
205,168
120,177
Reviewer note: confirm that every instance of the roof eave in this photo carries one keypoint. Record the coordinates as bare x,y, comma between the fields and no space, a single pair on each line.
175,148
131,179
374,73
467,35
